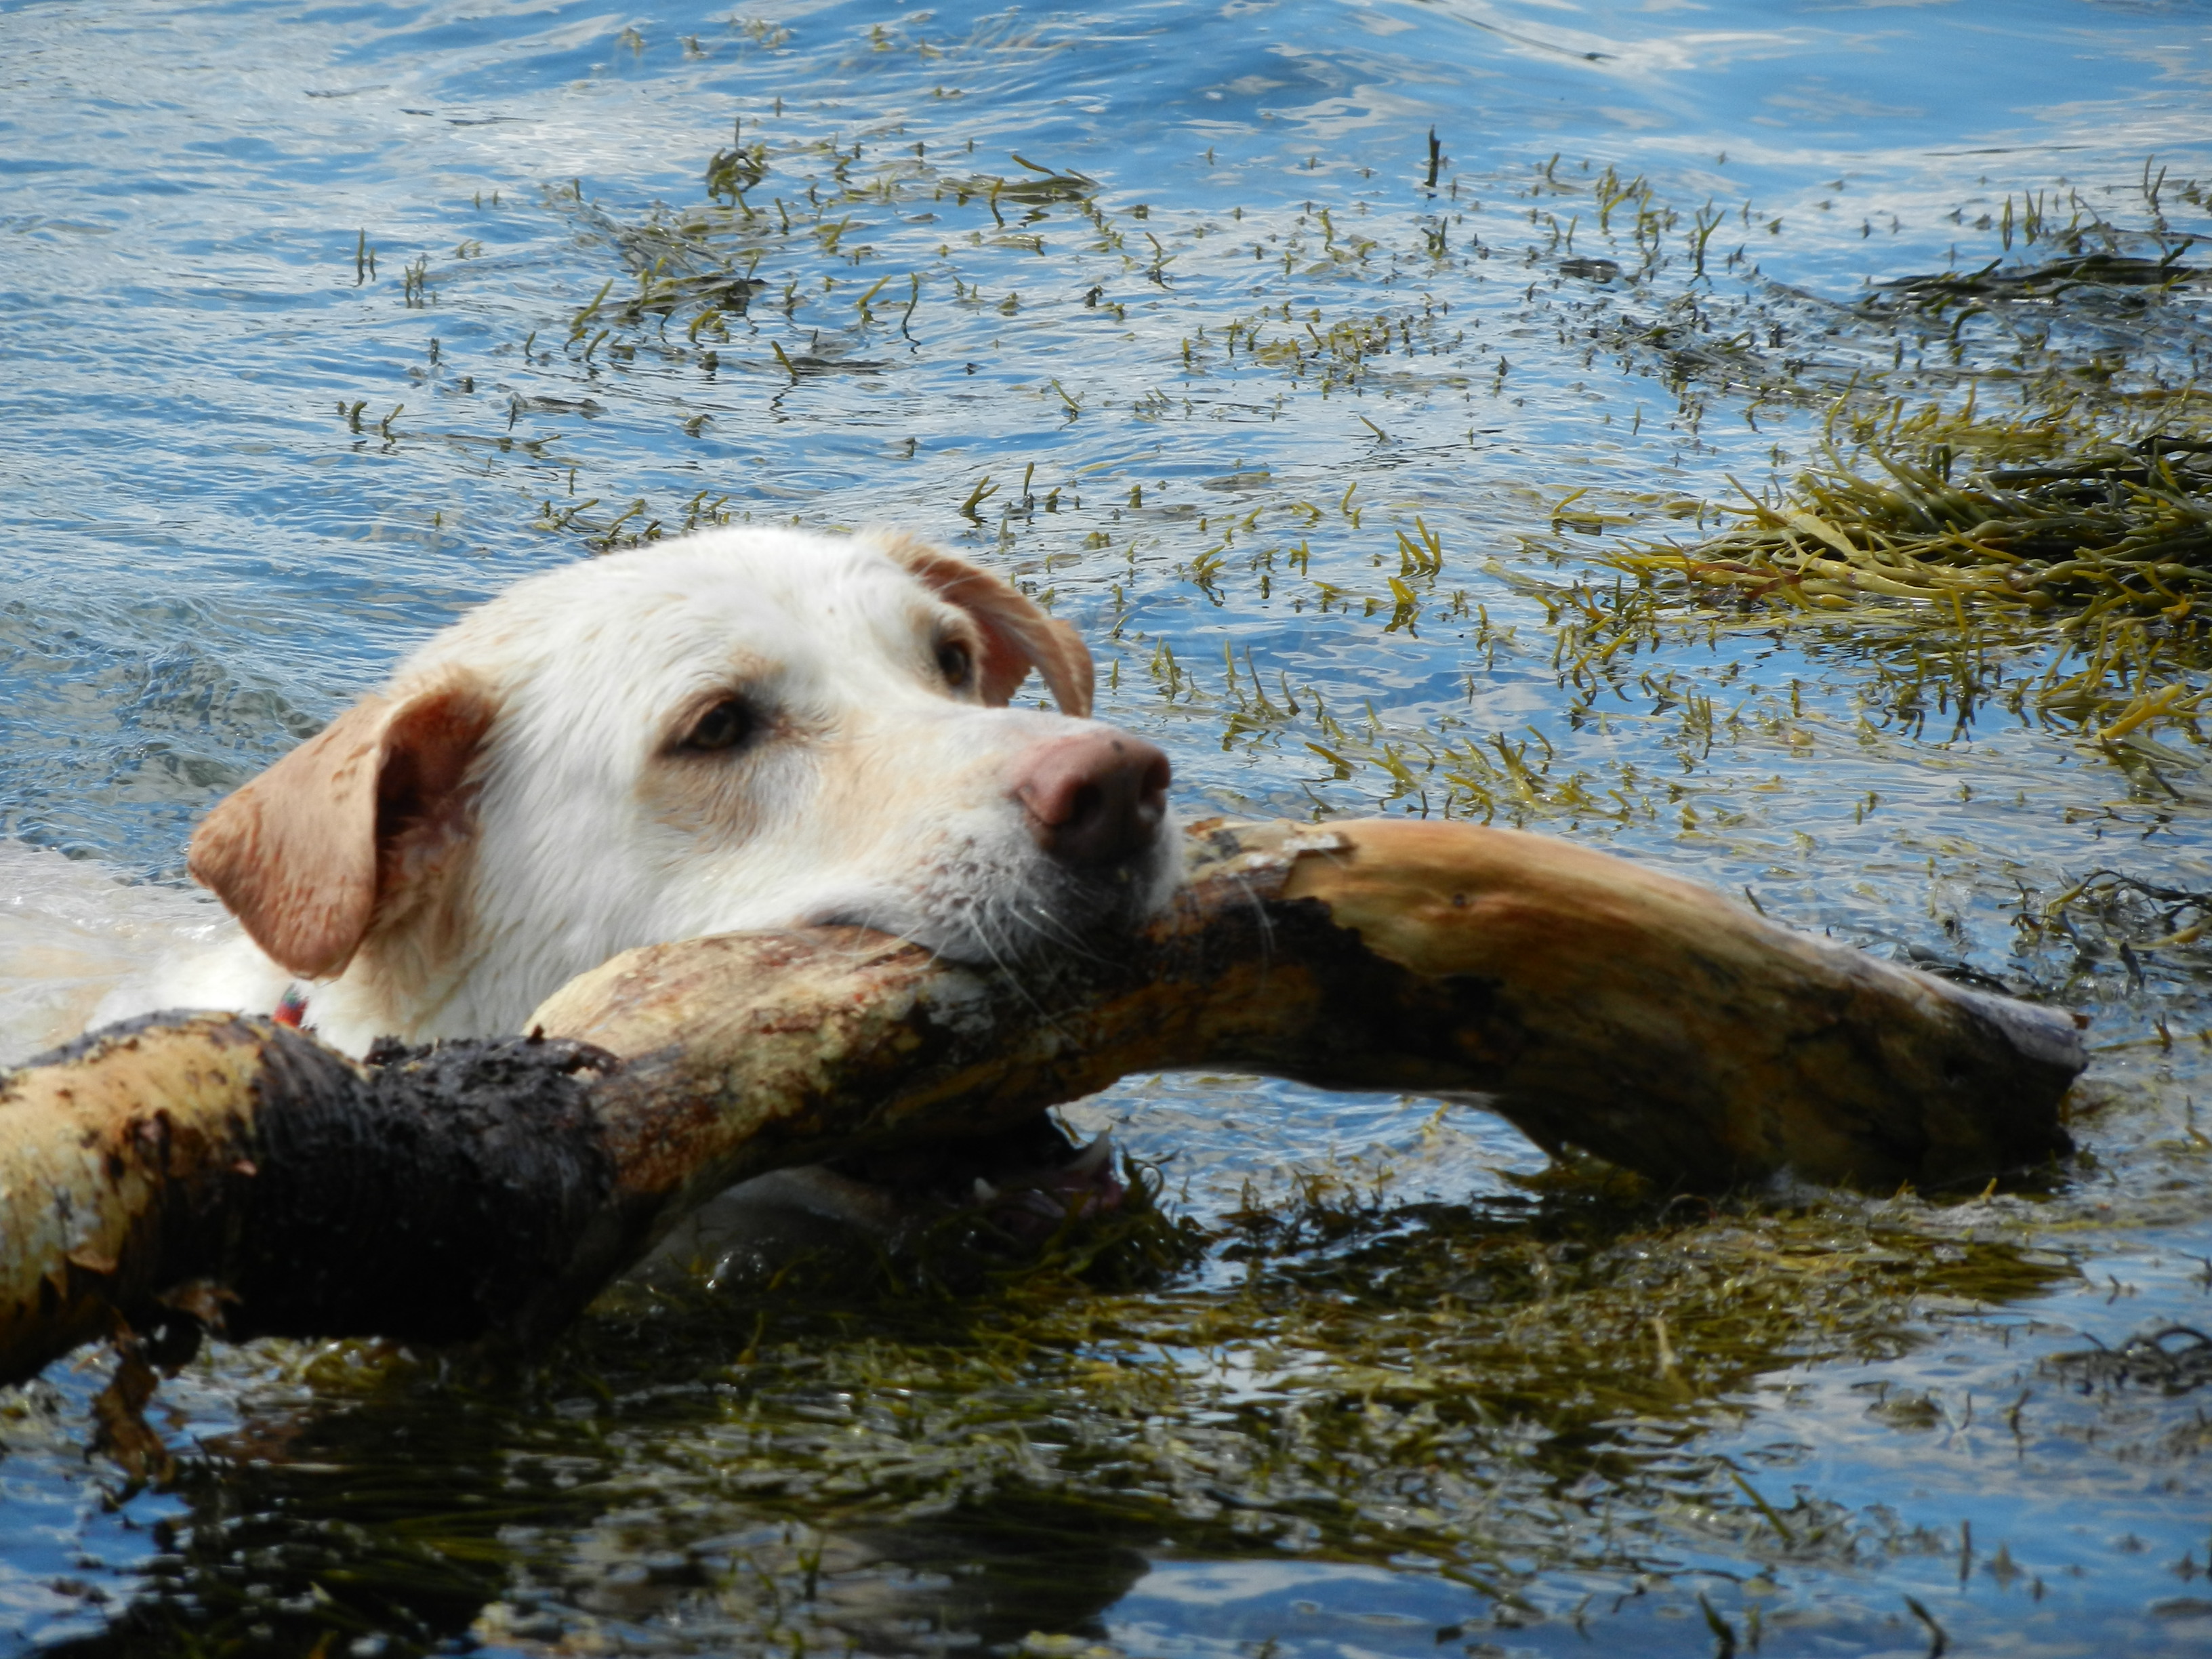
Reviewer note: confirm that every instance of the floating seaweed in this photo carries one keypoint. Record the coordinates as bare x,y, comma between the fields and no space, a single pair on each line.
2174,1359
2052,281
2125,528
2109,535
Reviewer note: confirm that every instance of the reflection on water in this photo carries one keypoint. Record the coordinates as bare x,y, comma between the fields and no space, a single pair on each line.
326,323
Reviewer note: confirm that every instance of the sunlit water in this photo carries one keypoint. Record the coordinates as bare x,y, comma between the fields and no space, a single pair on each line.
304,358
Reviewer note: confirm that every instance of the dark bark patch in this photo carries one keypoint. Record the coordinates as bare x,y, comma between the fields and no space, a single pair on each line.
424,1200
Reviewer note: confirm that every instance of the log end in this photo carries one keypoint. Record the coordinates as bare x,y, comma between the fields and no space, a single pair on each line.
1664,1027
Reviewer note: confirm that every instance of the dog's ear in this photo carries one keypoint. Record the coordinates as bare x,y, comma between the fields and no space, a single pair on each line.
303,854
1017,635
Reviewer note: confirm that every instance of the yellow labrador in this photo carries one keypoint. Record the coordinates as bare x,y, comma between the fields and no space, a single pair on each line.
746,728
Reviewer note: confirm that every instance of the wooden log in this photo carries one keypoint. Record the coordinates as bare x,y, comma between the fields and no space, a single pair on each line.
192,1168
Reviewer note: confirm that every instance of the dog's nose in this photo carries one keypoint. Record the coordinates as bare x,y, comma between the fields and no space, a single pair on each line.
1094,799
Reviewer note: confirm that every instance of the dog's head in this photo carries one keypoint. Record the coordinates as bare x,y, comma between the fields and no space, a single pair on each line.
749,728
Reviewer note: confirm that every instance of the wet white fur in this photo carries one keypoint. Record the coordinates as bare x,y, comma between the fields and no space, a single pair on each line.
879,797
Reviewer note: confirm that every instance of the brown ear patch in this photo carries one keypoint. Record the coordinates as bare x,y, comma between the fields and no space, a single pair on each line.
305,855
1018,636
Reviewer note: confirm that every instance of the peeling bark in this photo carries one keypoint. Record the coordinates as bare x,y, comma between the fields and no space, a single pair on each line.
195,1167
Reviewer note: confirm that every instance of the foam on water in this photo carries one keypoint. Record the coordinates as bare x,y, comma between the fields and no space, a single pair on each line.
71,932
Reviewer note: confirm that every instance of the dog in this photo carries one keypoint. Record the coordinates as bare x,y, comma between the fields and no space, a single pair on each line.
746,728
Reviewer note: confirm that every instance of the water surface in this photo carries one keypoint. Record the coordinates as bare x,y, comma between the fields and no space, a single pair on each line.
324,323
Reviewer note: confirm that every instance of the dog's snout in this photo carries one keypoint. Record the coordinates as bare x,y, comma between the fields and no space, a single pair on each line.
1095,798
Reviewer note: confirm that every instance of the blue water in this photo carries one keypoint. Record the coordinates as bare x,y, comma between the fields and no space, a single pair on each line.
248,470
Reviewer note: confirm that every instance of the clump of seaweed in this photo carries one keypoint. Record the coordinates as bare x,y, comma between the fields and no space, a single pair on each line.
2172,1360
2050,280
2104,532
2096,524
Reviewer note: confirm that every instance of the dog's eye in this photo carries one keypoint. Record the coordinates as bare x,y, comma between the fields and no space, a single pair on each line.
725,725
956,662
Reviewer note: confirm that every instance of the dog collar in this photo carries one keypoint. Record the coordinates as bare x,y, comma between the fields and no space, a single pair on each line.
291,1007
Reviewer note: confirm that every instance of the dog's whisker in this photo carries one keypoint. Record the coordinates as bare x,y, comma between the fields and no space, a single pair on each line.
1046,925
1008,972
